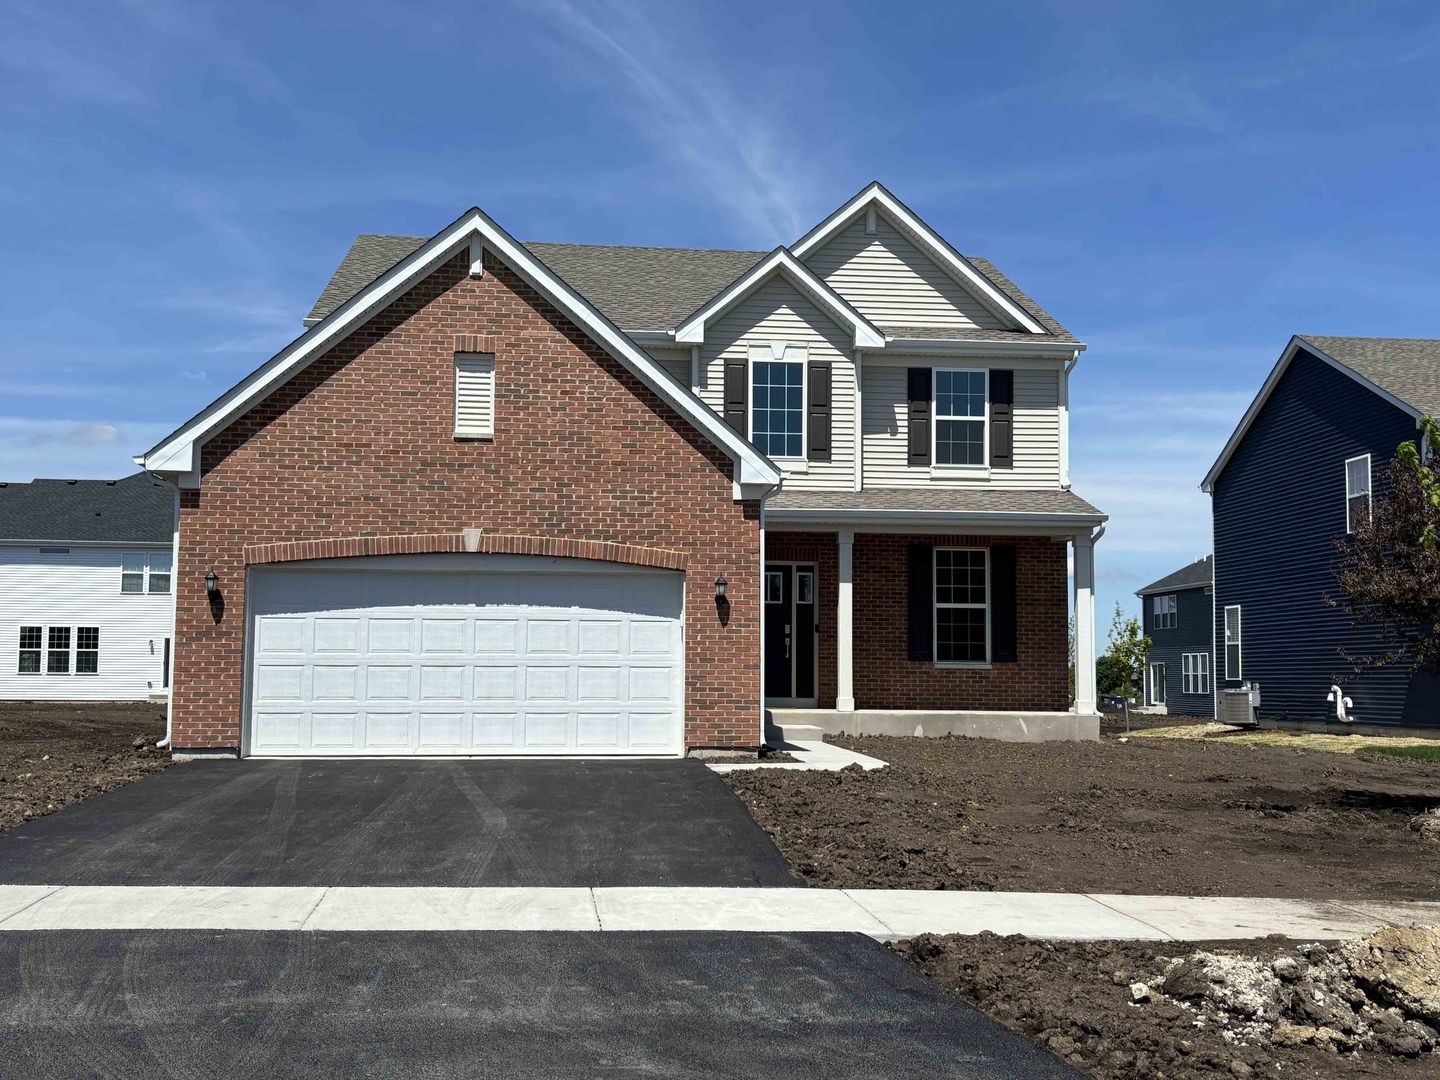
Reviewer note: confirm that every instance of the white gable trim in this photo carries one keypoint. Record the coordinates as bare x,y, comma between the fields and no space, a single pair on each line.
782,261
178,454
1294,346
932,243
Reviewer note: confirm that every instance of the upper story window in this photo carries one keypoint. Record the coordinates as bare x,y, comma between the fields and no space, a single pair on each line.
962,606
1357,491
141,572
960,416
777,403
1164,612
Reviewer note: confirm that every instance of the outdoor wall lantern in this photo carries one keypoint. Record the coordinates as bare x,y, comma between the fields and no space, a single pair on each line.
212,583
720,586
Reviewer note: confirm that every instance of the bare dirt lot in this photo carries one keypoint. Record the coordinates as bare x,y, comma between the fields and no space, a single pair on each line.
56,753
1075,999
1152,815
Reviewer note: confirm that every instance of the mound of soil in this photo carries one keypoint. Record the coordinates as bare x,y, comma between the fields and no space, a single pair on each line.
1171,816
1076,999
56,753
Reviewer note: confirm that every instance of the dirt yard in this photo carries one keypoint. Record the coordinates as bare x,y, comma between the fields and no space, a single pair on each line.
1152,815
53,754
1075,999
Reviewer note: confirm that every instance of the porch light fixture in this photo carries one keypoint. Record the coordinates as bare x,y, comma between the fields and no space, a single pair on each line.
212,583
720,586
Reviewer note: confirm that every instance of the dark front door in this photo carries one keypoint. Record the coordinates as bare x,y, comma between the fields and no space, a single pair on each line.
790,627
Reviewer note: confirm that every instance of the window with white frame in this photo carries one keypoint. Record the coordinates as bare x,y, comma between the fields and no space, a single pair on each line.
777,401
960,416
32,639
57,651
1195,672
141,572
474,396
962,606
1357,491
1232,642
87,650
1164,612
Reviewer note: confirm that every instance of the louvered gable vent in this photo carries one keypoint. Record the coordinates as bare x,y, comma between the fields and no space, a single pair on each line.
474,396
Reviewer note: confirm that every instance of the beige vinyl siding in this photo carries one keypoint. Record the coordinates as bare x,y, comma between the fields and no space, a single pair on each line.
777,311
885,431
893,283
675,361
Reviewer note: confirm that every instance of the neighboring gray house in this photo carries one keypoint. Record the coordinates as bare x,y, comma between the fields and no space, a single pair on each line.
1177,612
86,597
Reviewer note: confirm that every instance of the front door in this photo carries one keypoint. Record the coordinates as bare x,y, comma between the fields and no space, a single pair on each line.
790,629
1157,684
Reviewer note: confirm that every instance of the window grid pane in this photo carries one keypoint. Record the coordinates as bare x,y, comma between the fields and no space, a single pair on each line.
960,442
959,417
160,572
87,650
961,611
778,407
30,640
132,572
57,652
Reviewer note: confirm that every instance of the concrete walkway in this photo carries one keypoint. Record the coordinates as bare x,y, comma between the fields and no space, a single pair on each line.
884,914
809,754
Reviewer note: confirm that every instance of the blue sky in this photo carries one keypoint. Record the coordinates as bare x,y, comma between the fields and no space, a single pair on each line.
1182,185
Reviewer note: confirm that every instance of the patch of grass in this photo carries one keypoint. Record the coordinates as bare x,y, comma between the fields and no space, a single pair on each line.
1429,752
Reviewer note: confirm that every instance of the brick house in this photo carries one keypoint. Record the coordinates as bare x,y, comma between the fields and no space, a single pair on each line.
554,498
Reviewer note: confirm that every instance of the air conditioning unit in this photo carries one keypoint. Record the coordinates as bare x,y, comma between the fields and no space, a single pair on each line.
1241,705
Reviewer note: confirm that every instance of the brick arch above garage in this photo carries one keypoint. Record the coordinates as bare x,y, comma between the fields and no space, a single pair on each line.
467,541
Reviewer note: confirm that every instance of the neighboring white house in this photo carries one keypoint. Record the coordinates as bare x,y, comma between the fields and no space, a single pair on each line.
86,589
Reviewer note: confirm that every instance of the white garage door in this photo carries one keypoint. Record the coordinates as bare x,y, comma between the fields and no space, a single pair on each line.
430,655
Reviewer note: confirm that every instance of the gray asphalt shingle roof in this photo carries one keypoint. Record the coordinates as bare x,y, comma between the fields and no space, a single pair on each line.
941,500
1408,368
645,288
135,509
1200,572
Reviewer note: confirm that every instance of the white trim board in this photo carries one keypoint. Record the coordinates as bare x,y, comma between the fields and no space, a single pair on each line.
782,261
1282,365
178,454
874,196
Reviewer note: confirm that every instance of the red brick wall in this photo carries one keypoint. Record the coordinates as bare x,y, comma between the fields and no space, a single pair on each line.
886,679
360,444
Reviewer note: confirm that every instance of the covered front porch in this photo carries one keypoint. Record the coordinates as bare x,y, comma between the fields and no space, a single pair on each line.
911,620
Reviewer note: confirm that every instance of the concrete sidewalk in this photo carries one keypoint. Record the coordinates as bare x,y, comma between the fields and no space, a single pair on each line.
883,914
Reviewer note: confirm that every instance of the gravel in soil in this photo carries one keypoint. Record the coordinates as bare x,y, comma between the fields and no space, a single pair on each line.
56,753
1102,1006
1154,815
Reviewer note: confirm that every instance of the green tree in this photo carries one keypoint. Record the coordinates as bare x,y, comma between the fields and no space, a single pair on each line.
1124,660
1389,566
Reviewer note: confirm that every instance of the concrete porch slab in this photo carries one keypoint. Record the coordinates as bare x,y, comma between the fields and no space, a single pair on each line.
811,755
1005,726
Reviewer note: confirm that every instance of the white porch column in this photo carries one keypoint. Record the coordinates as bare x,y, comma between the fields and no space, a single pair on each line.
1085,624
844,621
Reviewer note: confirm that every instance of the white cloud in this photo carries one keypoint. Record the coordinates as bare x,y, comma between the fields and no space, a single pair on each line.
72,449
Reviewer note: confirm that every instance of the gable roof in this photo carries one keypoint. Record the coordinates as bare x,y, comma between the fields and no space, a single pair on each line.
1198,573
654,288
138,509
1403,371
178,453
783,263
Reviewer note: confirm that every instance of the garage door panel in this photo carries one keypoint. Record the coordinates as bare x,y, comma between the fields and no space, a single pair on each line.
439,668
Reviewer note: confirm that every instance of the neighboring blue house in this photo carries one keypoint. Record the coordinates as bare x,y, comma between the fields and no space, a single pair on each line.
1302,465
1179,618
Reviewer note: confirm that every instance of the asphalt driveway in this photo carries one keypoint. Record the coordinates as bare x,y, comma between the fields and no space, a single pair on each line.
447,823
240,1004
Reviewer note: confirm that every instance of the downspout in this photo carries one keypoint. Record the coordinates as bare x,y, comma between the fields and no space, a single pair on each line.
1065,420
760,598
175,579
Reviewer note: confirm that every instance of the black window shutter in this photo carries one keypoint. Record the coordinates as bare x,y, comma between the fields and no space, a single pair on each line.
1004,599
918,383
922,602
737,396
1002,419
818,422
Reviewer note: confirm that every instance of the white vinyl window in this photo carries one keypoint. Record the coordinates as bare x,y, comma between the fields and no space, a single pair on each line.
140,572
1157,684
1163,612
32,640
1357,491
1232,642
474,396
962,606
961,427
87,650
1195,672
777,400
